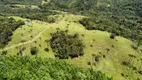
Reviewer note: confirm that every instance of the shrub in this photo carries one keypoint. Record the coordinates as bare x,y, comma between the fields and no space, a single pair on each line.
126,63
34,50
122,74
97,58
89,63
51,20
140,72
4,52
46,50
112,36
104,56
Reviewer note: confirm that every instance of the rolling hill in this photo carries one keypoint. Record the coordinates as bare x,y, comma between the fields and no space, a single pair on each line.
110,32
112,52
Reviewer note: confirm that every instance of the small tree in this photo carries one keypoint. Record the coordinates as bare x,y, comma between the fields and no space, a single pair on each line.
112,36
34,50
4,52
46,49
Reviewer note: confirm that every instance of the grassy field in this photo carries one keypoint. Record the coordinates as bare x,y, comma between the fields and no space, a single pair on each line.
112,51
43,2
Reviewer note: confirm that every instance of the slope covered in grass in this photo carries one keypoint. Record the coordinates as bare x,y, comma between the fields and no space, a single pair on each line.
115,57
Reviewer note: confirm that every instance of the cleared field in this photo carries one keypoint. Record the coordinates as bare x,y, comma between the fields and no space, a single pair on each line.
112,51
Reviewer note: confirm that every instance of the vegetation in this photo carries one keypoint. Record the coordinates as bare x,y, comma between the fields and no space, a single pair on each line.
66,46
25,2
120,17
19,67
34,50
60,29
7,26
39,14
113,35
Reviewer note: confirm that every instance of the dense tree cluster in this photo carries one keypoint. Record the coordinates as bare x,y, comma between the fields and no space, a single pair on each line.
7,26
25,2
39,14
34,68
66,46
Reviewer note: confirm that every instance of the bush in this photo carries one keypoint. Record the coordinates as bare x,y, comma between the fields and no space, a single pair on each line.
46,50
66,46
34,50
50,20
140,72
112,36
126,63
97,58
4,52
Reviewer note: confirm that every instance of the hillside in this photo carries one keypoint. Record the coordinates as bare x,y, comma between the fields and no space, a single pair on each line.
96,43
122,18
103,36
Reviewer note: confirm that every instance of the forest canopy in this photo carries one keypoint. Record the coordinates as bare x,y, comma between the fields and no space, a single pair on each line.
19,67
25,2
